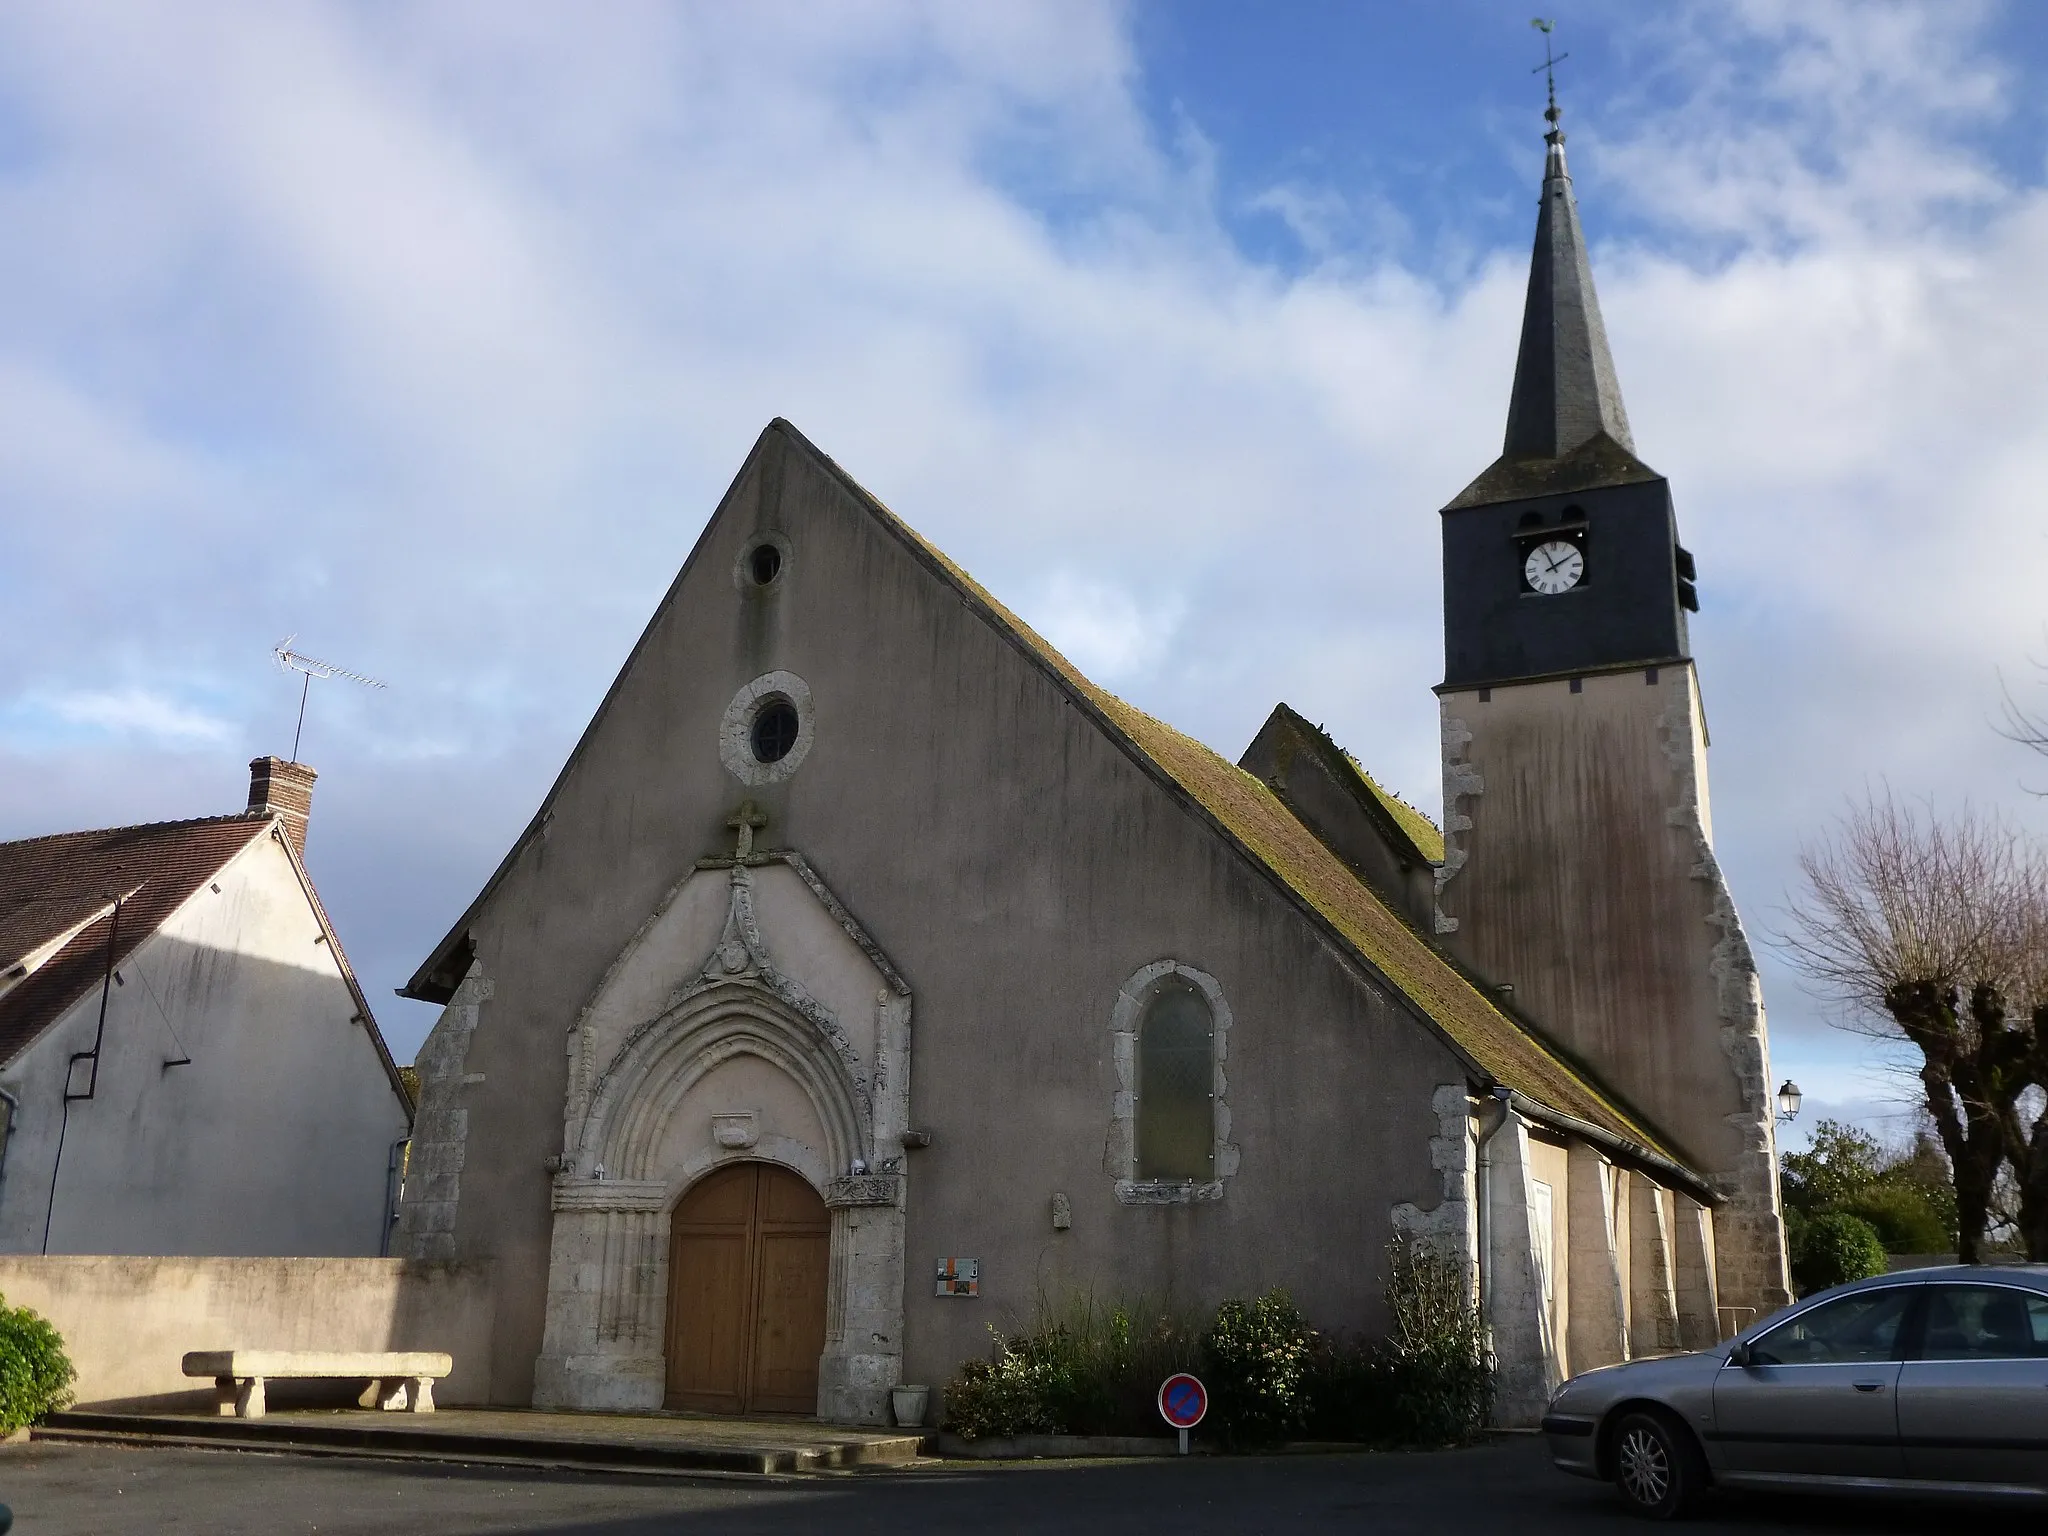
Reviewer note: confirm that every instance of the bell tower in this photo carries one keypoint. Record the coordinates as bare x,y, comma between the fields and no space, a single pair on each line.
1579,865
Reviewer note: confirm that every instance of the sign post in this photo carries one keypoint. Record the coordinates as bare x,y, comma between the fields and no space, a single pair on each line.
1182,1402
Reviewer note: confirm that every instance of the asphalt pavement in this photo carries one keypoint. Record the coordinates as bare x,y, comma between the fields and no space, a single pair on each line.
1507,1485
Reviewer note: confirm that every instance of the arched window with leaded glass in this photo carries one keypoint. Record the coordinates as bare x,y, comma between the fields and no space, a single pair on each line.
1170,1129
1176,1108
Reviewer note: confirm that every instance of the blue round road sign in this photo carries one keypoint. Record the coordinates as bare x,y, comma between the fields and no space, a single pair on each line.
1182,1401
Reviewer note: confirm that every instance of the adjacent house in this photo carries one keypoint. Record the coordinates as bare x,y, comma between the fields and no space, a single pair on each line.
187,1065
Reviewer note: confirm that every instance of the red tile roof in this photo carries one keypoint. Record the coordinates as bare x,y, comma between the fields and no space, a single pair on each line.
48,885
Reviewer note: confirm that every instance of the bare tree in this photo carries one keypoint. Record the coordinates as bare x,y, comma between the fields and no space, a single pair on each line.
2026,1119
1931,930
2025,726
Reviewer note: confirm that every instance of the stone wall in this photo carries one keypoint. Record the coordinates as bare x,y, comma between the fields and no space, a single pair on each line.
440,1138
128,1322
1580,870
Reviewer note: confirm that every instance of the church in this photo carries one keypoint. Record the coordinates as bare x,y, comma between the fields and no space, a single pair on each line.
869,973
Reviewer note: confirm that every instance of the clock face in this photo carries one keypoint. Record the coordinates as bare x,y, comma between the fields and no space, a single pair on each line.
1554,567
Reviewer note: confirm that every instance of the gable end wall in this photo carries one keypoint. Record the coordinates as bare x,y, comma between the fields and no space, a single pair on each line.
1018,866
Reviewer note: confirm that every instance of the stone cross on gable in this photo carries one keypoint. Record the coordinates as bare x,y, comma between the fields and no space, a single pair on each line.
746,821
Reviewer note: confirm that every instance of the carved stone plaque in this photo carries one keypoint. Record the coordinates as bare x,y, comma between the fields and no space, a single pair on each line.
736,1130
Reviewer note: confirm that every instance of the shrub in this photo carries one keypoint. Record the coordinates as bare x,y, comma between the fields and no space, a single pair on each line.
1430,1382
1841,1163
1905,1220
1257,1355
1833,1249
999,1398
1087,1369
1925,1170
1440,1367
1350,1390
35,1373
1908,1197
1083,1368
1111,1360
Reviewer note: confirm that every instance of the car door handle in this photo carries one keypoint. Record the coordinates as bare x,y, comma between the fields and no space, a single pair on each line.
1869,1386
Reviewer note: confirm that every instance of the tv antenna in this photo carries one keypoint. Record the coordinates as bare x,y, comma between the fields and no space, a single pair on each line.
310,667
1549,65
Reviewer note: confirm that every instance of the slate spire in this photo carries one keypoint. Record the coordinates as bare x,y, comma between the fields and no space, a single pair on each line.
1565,389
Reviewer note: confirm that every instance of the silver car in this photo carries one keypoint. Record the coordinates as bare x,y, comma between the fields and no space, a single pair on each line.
1929,1381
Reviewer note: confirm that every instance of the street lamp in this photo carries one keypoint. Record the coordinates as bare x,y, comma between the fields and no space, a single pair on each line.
1788,1101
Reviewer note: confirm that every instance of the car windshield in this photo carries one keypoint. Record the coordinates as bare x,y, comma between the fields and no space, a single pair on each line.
1848,1329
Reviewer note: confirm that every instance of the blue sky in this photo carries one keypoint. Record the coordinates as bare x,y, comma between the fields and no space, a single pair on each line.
431,334
1423,110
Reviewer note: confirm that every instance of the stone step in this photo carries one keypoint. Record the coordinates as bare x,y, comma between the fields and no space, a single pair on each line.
567,1440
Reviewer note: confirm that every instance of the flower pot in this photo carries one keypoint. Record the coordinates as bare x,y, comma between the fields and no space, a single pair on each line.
909,1404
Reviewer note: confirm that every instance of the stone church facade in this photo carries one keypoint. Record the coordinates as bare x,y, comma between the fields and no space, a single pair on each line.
869,973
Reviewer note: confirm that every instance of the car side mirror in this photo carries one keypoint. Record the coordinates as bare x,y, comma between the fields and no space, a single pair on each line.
1739,1357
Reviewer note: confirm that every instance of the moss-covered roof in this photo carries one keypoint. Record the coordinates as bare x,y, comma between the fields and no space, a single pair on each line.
1425,834
1256,820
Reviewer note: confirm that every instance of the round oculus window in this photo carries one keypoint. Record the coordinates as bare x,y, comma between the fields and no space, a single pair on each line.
764,564
774,730
768,728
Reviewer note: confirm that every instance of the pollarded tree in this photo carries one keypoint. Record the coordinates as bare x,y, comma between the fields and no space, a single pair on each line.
1928,929
2026,1118
2028,1121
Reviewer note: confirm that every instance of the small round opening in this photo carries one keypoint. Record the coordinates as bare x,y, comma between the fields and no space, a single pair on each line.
764,565
775,729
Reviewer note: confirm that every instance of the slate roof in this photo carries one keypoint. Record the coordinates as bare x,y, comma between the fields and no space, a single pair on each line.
1567,427
1565,388
50,886
1598,461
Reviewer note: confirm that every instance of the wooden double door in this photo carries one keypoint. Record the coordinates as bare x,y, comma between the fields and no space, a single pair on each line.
749,1248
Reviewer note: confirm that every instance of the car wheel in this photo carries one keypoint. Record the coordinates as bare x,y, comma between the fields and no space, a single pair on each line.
1656,1466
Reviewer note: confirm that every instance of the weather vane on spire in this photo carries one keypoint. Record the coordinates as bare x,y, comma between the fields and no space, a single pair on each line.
1549,65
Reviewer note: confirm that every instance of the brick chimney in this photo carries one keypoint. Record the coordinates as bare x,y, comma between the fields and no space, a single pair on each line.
279,788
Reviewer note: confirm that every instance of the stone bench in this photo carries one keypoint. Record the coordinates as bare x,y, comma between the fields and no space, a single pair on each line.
397,1381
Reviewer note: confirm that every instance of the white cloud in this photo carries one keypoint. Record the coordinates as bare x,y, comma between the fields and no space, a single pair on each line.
1815,120
435,333
151,716
1105,630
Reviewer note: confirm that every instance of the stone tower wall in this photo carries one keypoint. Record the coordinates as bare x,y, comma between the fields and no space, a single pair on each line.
1580,870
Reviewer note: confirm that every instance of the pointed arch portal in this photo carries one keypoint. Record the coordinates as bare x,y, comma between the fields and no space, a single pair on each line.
729,1211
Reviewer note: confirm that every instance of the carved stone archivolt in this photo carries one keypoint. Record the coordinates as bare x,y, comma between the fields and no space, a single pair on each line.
629,1155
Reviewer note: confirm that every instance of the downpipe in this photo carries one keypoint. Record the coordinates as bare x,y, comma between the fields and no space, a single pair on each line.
92,1086
394,1192
13,1118
1483,1193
